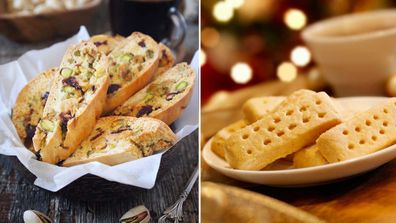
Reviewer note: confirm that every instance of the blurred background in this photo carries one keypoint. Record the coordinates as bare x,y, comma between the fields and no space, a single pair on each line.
257,44
36,24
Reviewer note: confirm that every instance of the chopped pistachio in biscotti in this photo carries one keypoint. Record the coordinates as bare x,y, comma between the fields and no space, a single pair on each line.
165,98
75,100
29,106
118,139
105,43
166,60
364,133
132,65
255,108
219,140
294,124
308,157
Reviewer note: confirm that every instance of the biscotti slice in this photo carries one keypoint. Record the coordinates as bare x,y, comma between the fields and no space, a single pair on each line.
29,106
292,125
255,108
76,99
365,133
105,43
118,139
166,60
219,140
308,157
132,65
165,98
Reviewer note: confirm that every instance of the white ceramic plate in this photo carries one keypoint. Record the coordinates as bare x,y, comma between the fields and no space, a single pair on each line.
289,177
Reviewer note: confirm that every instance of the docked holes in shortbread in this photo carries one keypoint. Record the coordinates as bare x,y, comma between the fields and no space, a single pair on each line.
294,124
255,108
132,65
75,100
165,98
365,133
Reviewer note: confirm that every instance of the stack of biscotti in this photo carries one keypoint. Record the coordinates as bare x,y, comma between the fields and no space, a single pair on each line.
58,114
307,128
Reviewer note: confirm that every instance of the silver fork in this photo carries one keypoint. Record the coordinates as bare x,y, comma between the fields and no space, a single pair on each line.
176,210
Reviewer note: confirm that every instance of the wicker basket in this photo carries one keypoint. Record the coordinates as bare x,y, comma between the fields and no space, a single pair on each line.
93,188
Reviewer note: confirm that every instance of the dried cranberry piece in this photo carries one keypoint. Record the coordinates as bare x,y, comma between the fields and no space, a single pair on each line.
65,117
113,88
144,110
72,81
142,43
44,97
171,95
100,43
29,130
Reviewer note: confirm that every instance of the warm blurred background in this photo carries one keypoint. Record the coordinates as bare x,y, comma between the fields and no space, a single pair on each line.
249,42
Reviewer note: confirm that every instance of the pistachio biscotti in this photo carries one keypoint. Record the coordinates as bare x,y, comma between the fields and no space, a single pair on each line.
118,139
166,60
132,65
165,98
29,106
365,133
76,98
295,123
105,43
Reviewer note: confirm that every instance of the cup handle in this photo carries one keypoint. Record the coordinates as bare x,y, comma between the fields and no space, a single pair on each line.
180,25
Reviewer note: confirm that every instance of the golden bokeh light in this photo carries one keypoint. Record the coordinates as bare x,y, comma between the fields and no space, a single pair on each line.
235,3
241,73
286,72
300,56
210,37
223,12
202,57
295,19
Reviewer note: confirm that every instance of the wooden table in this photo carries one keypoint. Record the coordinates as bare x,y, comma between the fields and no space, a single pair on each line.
18,194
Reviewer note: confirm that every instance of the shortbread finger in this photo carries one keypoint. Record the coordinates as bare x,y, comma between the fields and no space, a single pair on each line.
294,124
255,108
365,133
308,157
219,140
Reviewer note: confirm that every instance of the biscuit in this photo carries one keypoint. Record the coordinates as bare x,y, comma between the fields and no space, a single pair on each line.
132,64
255,108
29,106
219,140
308,157
166,60
118,139
291,126
105,43
365,133
75,101
165,98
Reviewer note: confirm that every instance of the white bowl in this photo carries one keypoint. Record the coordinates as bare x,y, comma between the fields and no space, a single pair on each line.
290,177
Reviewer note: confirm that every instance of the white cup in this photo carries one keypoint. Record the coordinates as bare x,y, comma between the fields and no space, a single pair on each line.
356,53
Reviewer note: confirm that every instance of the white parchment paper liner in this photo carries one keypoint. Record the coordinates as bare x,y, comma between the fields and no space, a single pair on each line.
15,75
